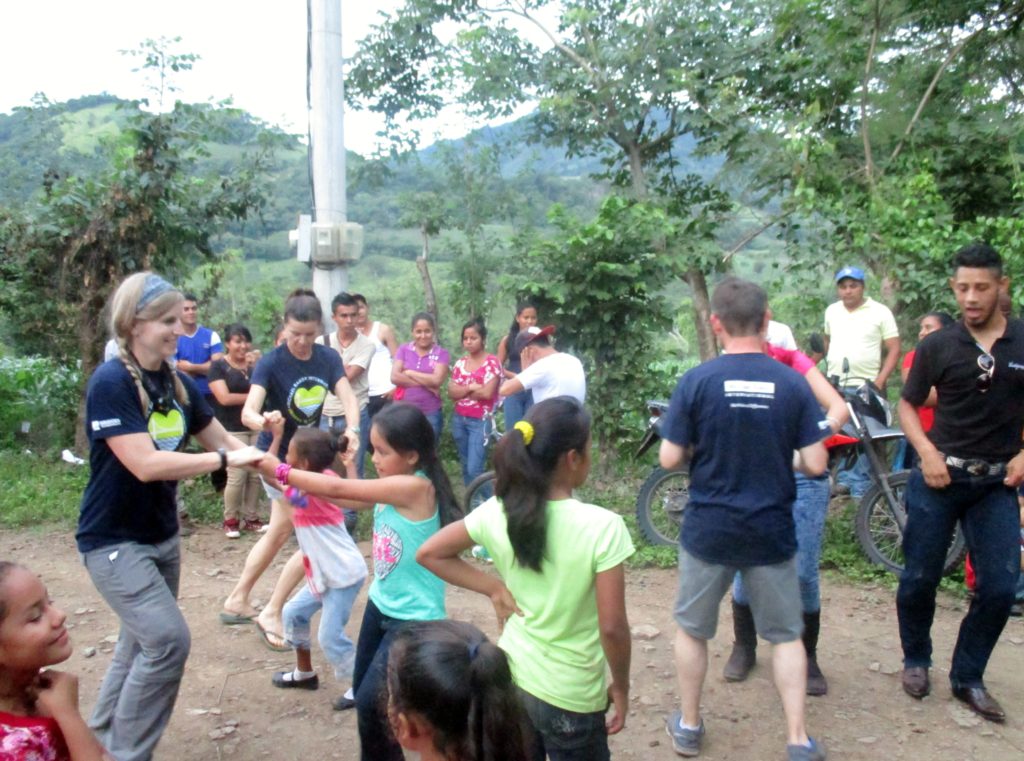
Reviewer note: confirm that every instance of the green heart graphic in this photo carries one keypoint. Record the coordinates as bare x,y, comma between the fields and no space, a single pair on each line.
166,430
309,400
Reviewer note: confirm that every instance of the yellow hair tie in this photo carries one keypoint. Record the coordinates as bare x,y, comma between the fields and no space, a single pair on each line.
526,429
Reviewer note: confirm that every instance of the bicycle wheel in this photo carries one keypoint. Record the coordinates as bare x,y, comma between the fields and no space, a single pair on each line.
660,505
879,535
480,490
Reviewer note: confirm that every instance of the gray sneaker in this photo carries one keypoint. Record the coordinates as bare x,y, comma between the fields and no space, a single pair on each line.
815,752
685,742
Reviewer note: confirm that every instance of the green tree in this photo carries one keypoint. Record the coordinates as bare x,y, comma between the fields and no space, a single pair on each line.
887,133
601,283
61,257
607,75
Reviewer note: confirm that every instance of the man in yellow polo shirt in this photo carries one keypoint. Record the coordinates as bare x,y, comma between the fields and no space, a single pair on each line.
861,331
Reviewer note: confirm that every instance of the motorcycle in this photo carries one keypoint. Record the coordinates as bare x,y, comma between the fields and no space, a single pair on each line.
881,512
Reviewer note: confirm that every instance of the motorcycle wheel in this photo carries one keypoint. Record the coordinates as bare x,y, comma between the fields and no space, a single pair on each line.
879,535
480,490
660,505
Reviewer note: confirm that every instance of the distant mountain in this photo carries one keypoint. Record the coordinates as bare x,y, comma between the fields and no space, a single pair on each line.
71,138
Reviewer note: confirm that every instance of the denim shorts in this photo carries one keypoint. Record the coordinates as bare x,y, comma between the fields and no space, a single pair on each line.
774,592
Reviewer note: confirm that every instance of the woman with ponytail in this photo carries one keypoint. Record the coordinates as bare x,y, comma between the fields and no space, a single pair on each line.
561,596
451,696
139,414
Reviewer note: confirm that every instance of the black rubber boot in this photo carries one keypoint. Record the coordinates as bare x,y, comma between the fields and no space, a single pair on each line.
744,649
816,682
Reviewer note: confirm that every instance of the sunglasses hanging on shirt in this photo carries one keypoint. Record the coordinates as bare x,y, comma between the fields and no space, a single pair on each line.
987,363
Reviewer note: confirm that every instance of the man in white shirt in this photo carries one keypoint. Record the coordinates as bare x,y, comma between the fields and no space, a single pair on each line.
546,372
858,331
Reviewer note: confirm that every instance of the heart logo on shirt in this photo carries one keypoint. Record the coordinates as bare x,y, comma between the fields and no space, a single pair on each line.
309,400
166,429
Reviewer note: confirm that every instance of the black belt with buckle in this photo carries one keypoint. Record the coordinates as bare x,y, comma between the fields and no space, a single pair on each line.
977,467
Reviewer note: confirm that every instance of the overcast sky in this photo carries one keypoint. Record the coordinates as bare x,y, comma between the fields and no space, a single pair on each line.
253,52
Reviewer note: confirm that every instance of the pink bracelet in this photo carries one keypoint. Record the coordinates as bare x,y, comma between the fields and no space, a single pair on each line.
281,473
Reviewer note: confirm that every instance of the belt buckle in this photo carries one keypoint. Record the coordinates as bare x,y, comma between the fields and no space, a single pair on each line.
977,467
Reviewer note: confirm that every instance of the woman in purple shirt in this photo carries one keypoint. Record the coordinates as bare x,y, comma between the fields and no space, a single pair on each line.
419,371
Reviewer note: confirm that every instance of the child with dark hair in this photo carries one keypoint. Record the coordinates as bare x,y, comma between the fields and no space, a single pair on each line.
411,499
561,595
516,405
451,695
335,569
474,389
39,716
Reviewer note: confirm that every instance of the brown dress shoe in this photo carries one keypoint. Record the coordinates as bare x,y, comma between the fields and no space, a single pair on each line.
979,701
916,682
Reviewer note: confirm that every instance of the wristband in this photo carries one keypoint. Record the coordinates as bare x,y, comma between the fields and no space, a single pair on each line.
223,458
832,422
281,473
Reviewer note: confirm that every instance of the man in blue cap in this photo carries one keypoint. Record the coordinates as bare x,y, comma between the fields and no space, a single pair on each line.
860,331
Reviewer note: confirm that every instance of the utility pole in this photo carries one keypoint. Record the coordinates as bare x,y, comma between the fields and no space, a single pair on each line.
327,241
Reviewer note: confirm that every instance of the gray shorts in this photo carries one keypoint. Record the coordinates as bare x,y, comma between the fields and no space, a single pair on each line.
773,590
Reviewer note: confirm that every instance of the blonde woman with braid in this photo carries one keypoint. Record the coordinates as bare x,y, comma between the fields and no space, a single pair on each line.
139,415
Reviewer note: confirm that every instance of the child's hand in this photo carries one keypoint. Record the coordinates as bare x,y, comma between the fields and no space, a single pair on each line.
504,606
268,466
56,693
273,419
619,698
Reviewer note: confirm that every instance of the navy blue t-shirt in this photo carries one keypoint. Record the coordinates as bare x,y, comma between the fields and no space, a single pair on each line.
744,415
296,387
116,506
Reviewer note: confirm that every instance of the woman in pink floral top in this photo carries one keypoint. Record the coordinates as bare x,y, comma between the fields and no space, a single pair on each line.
474,388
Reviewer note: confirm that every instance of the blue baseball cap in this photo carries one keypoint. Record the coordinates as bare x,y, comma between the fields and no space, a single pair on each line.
856,273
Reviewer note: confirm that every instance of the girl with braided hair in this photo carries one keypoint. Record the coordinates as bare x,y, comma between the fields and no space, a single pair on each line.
139,415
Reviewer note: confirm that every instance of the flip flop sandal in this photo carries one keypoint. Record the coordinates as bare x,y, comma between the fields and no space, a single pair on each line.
234,619
265,635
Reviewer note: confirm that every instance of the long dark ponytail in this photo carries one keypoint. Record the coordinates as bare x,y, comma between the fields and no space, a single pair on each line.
406,429
524,470
513,331
452,676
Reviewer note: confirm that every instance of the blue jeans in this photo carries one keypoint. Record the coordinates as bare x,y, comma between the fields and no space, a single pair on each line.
516,407
858,476
809,511
140,583
468,433
436,420
562,735
988,513
369,682
337,607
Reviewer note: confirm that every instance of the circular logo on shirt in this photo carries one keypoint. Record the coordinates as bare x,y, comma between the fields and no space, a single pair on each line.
306,399
167,429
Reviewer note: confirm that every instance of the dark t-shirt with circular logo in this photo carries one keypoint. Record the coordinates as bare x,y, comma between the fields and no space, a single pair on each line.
116,506
296,387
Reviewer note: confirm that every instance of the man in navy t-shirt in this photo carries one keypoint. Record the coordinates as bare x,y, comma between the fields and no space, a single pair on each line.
742,421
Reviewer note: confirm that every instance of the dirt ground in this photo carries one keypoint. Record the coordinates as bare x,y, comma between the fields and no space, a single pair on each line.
228,709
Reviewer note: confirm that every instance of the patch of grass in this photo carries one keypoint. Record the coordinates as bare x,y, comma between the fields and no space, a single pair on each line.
39,490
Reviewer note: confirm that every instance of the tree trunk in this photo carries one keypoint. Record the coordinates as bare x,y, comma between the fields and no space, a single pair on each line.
702,314
90,342
428,284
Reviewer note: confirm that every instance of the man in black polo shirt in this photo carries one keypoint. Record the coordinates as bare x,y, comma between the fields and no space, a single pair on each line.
970,464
